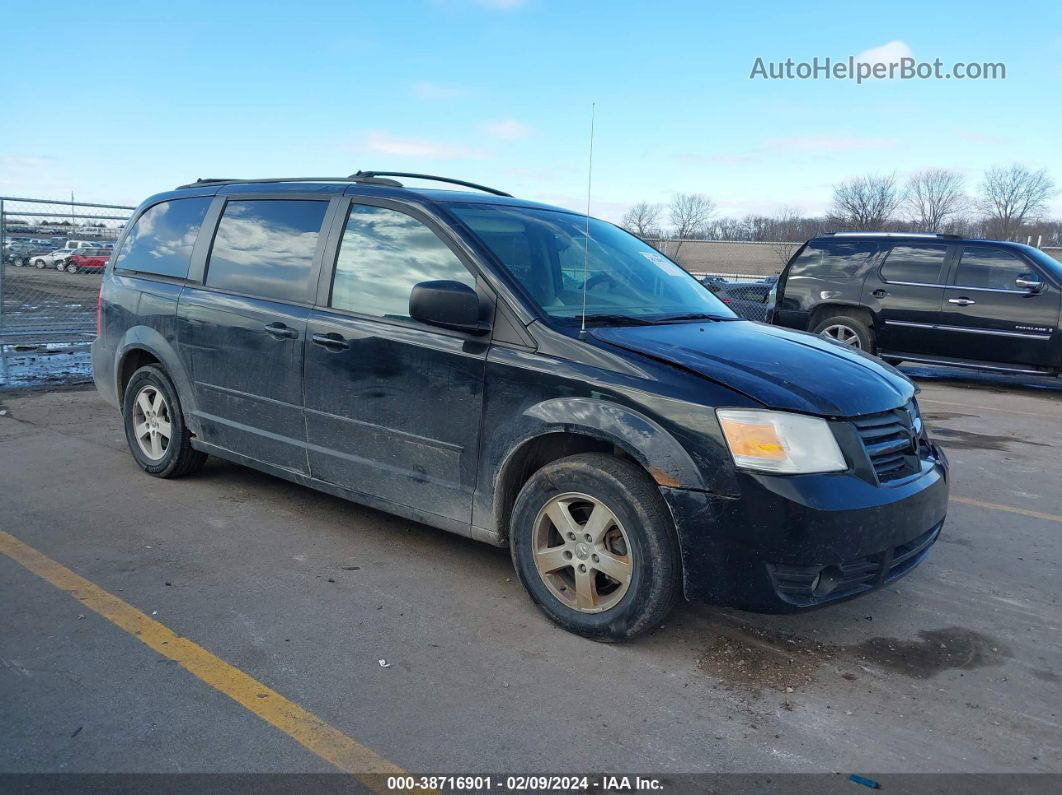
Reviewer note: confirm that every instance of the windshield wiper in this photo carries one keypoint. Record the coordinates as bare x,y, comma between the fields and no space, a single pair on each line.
618,320
691,316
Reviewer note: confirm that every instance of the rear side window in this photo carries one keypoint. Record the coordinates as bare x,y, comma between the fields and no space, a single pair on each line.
162,239
917,264
384,253
266,248
993,268
832,260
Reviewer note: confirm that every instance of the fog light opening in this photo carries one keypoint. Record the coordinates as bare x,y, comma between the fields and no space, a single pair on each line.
827,580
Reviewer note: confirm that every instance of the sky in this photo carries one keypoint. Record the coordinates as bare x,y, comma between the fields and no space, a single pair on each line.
500,92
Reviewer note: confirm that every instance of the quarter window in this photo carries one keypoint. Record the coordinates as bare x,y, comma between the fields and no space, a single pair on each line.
384,253
833,260
989,267
162,239
917,264
265,248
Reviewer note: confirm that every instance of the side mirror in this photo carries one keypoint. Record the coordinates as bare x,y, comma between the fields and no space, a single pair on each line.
1030,282
447,304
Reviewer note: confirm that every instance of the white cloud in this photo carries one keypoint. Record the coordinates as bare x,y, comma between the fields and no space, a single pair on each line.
973,136
430,90
509,129
388,144
888,53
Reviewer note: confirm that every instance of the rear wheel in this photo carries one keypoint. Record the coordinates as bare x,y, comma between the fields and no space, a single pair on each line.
593,545
154,426
847,330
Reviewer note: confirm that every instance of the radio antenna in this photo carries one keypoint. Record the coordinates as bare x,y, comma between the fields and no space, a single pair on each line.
586,240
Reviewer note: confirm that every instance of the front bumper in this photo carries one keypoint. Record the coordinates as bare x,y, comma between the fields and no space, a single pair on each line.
789,543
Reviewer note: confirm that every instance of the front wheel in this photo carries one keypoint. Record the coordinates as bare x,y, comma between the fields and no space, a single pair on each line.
154,426
40,264
847,330
71,267
594,546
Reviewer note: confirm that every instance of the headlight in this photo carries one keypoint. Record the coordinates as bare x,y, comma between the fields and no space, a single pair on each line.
775,441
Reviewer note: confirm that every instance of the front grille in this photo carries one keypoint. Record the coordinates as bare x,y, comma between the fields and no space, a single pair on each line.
803,585
890,439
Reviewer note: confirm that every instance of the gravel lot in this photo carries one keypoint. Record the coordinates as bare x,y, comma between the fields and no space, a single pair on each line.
956,668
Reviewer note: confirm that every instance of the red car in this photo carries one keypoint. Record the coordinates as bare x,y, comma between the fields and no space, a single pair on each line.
86,263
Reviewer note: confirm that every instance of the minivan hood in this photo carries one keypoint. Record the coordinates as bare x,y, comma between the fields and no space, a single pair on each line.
782,369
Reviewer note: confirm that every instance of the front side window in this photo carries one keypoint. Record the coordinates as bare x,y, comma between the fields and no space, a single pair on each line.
993,268
265,248
623,279
384,253
162,239
915,264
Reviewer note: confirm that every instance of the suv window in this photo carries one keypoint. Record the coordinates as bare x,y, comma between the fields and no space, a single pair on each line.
916,264
161,240
265,248
832,260
994,268
383,254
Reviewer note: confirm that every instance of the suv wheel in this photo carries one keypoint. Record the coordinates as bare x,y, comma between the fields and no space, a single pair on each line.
593,545
154,426
847,330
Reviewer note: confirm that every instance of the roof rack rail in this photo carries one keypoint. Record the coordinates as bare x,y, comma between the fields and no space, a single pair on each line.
947,235
371,177
361,177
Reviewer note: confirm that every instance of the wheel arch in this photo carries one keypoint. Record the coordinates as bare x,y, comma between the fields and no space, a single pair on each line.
562,427
142,345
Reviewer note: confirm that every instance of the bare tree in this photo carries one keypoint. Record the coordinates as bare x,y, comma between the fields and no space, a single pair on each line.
643,220
865,204
934,196
690,213
1014,194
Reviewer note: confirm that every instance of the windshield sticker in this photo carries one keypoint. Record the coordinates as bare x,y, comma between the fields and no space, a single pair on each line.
662,262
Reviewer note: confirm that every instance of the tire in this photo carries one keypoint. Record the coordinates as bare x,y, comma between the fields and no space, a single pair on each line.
175,455
640,525
71,267
848,330
60,266
40,264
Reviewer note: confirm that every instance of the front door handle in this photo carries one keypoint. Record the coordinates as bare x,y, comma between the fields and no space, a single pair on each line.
880,293
280,331
961,301
330,340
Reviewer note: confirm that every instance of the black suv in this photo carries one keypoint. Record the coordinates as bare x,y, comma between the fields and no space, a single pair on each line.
522,375
936,299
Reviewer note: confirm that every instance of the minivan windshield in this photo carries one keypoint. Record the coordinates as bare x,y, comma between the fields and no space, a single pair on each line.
626,280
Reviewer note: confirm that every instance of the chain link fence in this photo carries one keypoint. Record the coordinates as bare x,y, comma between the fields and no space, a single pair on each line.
43,299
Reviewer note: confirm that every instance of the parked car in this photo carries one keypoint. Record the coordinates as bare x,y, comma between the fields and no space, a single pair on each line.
935,299
463,360
88,261
748,298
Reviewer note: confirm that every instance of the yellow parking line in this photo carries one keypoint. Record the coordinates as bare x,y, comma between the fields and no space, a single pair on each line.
995,506
303,726
922,400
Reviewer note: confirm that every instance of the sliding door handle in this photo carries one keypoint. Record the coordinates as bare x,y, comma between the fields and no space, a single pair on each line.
280,331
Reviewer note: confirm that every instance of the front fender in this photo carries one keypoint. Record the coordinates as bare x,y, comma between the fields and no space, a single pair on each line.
639,436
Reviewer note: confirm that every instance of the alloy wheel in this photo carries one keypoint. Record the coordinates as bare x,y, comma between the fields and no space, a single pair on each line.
846,335
151,422
582,552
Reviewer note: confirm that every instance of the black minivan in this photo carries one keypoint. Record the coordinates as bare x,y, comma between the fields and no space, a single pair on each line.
930,298
522,375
